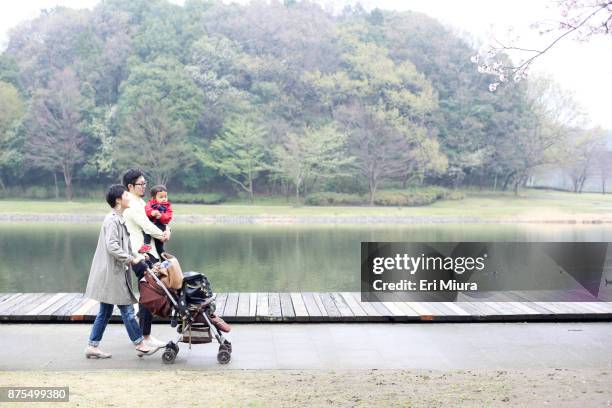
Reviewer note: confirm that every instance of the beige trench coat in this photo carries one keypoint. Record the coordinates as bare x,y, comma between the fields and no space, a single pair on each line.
109,277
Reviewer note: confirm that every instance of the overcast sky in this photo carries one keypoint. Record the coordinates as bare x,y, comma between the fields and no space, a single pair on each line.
583,68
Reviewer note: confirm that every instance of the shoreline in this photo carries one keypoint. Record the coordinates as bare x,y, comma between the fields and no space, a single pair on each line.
322,219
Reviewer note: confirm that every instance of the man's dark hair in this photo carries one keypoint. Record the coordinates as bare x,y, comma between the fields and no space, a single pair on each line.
130,176
157,189
114,192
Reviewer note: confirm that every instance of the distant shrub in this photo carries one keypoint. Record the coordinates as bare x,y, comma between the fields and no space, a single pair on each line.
404,198
37,193
455,195
331,198
202,198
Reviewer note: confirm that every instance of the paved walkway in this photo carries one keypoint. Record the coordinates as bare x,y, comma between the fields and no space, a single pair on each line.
327,346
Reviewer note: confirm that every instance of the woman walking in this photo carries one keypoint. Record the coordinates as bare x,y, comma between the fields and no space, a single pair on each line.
110,280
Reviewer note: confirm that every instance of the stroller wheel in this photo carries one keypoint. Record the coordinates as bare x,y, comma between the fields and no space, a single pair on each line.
169,356
223,357
226,346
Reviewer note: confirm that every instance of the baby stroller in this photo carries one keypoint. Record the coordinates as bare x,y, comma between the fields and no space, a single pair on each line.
190,308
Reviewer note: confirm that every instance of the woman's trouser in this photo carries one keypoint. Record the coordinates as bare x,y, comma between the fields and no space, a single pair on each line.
104,315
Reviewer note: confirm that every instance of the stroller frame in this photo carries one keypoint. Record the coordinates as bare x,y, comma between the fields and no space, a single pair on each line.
181,311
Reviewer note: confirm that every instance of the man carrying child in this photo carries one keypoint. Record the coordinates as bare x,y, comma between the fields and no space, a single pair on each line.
137,223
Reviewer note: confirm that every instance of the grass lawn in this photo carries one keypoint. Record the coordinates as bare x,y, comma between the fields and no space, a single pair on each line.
531,203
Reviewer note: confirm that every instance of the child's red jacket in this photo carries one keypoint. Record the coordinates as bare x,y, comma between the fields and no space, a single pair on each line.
164,208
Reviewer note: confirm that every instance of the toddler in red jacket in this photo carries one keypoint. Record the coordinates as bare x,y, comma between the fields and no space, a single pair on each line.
159,211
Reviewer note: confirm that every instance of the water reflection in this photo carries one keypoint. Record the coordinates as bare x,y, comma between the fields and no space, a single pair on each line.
56,257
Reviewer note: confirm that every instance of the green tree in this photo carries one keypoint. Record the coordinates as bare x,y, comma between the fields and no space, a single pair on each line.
317,154
12,109
238,153
152,140
383,106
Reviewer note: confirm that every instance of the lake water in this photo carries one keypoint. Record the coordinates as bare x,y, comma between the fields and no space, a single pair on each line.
55,257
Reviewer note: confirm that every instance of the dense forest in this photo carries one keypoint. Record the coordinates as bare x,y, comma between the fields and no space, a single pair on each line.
268,98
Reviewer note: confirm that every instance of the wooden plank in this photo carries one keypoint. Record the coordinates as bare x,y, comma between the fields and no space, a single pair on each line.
438,309
231,305
252,305
475,313
262,306
341,305
407,311
600,307
299,307
503,308
274,307
516,302
529,303
585,309
400,312
330,308
45,304
485,309
37,300
46,314
356,309
366,306
80,312
381,309
314,312
393,308
13,300
456,308
24,302
242,311
422,309
93,310
5,296
319,302
65,311
220,303
287,307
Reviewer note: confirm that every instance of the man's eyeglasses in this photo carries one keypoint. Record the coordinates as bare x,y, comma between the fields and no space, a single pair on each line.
141,184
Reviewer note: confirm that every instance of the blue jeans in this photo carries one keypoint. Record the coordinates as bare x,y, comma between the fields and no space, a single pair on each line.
104,315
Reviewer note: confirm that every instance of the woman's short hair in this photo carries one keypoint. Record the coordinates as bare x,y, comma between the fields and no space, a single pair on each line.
158,189
114,192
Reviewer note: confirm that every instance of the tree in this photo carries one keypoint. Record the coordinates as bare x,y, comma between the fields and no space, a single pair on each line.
55,140
543,133
583,151
163,80
316,154
152,140
382,105
12,109
603,165
238,153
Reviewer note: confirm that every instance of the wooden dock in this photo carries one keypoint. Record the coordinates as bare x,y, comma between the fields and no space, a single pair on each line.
319,307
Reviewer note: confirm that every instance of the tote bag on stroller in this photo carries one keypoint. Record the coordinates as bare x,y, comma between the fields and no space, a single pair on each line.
153,297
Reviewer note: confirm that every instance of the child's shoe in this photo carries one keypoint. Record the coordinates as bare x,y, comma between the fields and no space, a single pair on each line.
220,324
144,249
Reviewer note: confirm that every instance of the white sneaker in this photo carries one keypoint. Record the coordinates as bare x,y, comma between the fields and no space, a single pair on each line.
153,342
